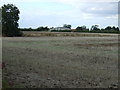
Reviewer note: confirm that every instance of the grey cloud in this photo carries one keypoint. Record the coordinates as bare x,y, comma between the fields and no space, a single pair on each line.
101,8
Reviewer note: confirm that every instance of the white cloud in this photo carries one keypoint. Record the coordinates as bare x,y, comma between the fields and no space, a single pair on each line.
82,12
112,17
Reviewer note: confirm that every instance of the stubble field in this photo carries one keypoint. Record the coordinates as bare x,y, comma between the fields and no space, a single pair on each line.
61,62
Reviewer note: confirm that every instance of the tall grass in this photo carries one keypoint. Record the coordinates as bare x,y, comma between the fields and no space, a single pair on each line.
59,34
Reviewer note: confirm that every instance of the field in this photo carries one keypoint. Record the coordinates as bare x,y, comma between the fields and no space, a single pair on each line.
83,61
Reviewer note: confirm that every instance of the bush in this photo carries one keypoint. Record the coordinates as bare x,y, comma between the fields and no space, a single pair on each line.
61,31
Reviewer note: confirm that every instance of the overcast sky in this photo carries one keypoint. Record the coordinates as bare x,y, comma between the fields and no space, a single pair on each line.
36,13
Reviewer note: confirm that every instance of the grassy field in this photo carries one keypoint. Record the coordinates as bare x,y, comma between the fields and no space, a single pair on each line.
61,62
68,34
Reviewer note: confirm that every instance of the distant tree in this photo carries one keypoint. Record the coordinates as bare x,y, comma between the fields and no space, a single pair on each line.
82,28
114,28
30,29
102,29
42,28
10,17
46,28
117,29
94,27
108,28
79,28
67,26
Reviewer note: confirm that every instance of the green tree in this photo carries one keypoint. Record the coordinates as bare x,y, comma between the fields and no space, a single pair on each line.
10,17
67,26
82,28
42,28
95,27
117,29
79,28
108,28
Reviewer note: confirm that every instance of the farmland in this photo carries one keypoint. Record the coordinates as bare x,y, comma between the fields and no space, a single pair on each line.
61,60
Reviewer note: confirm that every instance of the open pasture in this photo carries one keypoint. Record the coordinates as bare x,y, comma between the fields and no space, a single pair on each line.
61,62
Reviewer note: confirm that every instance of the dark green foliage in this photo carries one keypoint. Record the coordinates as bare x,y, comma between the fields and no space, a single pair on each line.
61,31
109,28
95,28
67,26
26,29
42,29
10,17
38,29
81,29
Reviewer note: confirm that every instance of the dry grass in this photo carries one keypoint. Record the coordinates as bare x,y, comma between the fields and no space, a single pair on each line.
61,62
59,34
102,45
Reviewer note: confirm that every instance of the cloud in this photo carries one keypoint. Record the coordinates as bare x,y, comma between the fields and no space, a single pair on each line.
59,1
101,8
98,9
36,13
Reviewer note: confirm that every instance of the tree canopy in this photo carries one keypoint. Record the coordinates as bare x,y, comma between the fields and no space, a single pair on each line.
10,17
67,26
82,28
95,27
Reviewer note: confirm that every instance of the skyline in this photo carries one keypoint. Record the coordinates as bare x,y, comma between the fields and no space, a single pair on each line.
55,13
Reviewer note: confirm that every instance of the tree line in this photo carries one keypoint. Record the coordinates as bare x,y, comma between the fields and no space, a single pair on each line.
10,17
96,29
93,29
